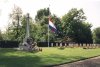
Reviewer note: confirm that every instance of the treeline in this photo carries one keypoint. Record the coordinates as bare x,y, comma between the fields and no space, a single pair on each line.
72,27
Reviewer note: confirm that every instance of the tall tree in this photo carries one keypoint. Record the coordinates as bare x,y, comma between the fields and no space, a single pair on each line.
42,14
75,26
42,18
96,35
13,28
15,15
1,38
11,31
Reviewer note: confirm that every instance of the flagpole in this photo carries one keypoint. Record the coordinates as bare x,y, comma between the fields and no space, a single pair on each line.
48,35
48,25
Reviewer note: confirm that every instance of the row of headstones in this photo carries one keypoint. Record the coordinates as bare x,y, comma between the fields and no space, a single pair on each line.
75,45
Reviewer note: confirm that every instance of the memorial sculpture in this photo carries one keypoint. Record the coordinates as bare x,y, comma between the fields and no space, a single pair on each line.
28,43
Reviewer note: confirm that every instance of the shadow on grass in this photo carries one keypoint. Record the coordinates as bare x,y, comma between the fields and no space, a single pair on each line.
11,50
14,61
61,48
18,61
5,50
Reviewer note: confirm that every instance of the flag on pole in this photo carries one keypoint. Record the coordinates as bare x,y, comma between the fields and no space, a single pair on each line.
52,26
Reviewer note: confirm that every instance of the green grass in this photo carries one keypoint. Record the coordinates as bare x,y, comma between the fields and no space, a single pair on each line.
49,56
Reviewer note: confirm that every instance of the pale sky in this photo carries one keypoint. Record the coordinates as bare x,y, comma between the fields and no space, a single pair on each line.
58,7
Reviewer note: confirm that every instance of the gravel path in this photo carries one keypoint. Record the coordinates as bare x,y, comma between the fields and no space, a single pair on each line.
93,62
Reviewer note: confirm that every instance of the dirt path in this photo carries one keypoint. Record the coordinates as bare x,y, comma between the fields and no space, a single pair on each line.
93,62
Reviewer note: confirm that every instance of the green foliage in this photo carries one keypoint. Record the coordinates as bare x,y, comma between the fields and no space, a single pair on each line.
96,35
39,32
22,29
42,13
75,26
71,25
12,32
1,35
42,19
16,15
16,31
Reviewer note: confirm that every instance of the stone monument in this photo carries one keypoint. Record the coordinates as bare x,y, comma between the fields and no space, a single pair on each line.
28,43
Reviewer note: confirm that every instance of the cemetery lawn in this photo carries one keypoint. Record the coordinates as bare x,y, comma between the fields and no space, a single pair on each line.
49,56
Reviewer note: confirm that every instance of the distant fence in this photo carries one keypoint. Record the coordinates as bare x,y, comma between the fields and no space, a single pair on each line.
9,44
15,44
54,44
51,44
